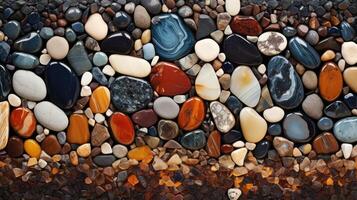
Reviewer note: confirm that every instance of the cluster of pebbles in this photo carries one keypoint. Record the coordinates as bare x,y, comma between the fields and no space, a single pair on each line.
174,83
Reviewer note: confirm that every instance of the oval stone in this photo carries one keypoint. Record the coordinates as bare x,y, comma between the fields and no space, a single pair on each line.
348,52
272,43
23,121
254,127
298,127
28,85
30,43
194,140
122,128
15,147
206,84
57,47
130,94
261,150
222,116
240,51
167,129
62,84
104,160
78,129
330,81
245,86
169,80
32,148
171,37
214,144
347,31
349,76
51,145
100,100
245,25
145,118
166,107
5,83
78,58
207,49
96,27
4,123
284,83
50,116
192,114
304,53
24,60
120,43
345,130
129,65
337,109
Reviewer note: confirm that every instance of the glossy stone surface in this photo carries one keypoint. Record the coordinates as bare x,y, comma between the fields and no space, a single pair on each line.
245,25
169,80
348,52
4,123
24,60
336,110
298,127
231,137
272,43
23,121
32,148
171,37
214,144
145,118
240,51
30,43
4,51
78,58
28,85
222,117
194,140
330,81
5,83
130,94
325,124
254,127
100,100
325,143
122,128
104,160
96,27
206,84
349,76
261,150
284,83
351,100
191,114
130,65
167,129
62,85
166,107
50,116
347,31
120,43
140,153
234,105
345,129
51,145
304,53
15,147
78,129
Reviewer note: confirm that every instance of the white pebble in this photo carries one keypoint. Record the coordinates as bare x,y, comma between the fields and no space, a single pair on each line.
99,118
109,113
86,91
45,59
106,148
253,39
154,60
42,163
238,144
222,57
86,78
91,122
220,72
346,150
180,99
108,70
31,104
88,112
262,69
14,100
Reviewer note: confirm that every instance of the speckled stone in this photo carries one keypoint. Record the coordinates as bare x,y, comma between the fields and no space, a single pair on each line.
272,43
223,118
345,130
194,140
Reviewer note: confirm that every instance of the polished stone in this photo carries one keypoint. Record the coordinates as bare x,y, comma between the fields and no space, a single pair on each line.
104,160
145,118
96,27
299,128
304,53
261,150
100,100
166,107
130,65
32,148
99,76
24,60
214,144
325,143
23,121
234,105
272,43
78,129
4,123
15,147
347,31
120,43
325,124
51,116
121,19
349,76
30,43
206,84
28,85
254,127
348,52
330,81
245,25
345,129
99,135
222,117
351,100
50,145
4,51
205,26
5,83
194,140
231,137
78,58
122,128
167,129
336,110
192,114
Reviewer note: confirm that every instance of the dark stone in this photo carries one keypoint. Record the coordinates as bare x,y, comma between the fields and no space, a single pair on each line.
62,85
152,6
261,150
275,129
14,147
121,19
24,60
73,14
227,67
145,118
4,51
30,43
231,137
298,127
5,83
240,51
120,43
99,76
78,58
328,43
289,31
104,160
337,110
347,31
234,105
304,53
334,31
206,25
12,29
194,140
351,100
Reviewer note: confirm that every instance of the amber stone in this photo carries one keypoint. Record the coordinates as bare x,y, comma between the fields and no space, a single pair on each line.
122,128
15,147
140,153
23,121
78,130
325,143
100,100
244,25
51,145
214,144
167,79
145,118
330,81
227,148
32,148
192,114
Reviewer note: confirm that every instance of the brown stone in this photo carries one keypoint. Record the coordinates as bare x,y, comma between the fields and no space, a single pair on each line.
99,134
51,145
100,100
244,25
78,130
15,147
227,148
330,81
214,144
145,118
325,143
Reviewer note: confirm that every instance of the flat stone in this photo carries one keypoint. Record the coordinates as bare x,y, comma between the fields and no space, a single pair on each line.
313,106
349,76
240,51
50,116
330,81
4,51
96,27
245,25
118,43
245,86
304,53
205,26
141,17
274,114
325,124
104,160
214,144
145,118
24,60
62,84
166,108
100,100
272,43
78,129
57,47
299,128
32,148
120,151
129,65
222,117
284,83
28,85
206,84
149,51
194,140
23,121
51,145
325,143
232,7
206,49
192,114
347,31
5,83
30,43
345,129
253,126
99,76
169,80
140,153
15,147
238,156
167,129
130,94
283,146
173,43
261,150
336,110
122,128
4,123
78,58
99,135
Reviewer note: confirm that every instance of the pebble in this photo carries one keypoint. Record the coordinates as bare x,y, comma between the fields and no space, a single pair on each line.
99,135
245,86
328,55
274,114
313,106
4,123
345,130
120,151
346,150
348,52
32,148
234,193
96,27
337,109
24,60
166,108
272,43
238,156
207,49
283,146
149,51
78,129
106,148
206,84
121,19
50,145
298,127
122,128
100,100
304,53
325,124
192,114
330,81
30,43
261,149
23,121
28,85
349,76
158,164
5,83
73,14
141,17
4,51
167,129
50,116
100,59
117,43
145,118
12,29
223,118
57,47
129,65
194,140
84,150
347,31
205,26
140,153
232,7
312,37
15,147
46,33
245,25
214,144
253,126
14,100
310,80
78,58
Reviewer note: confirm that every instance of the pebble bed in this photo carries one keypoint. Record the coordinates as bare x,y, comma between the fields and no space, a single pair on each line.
250,99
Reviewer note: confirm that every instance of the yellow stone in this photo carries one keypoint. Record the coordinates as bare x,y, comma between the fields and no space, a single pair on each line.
100,100
78,129
146,36
84,150
140,153
254,127
350,77
32,148
31,162
328,55
4,123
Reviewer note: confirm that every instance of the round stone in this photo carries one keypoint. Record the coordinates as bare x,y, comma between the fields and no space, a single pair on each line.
32,148
254,127
57,47
192,114
298,127
100,100
304,53
232,7
121,19
23,121
312,106
310,80
167,129
96,27
120,151
261,150
166,107
24,60
238,156
274,114
100,59
145,118
15,147
28,85
84,150
207,49
194,140
122,128
348,51
271,43
141,17
30,43
73,14
325,124
50,116
330,81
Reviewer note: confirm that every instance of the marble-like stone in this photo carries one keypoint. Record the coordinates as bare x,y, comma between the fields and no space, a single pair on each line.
222,116
171,37
30,43
23,121
330,81
4,123
347,31
129,65
245,25
28,85
351,100
240,51
325,143
194,140
57,47
265,100
254,127
118,43
50,116
336,110
349,76
12,29
78,129
234,105
122,128
99,76
5,83
245,86
207,49
24,60
214,144
166,108
78,58
96,27
121,19
206,84
192,114
325,124
275,129
272,43
304,53
100,100
167,129
284,83
299,128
